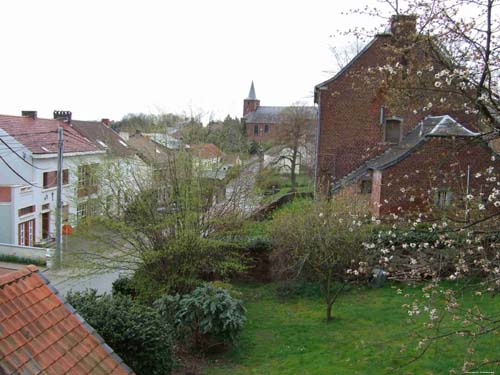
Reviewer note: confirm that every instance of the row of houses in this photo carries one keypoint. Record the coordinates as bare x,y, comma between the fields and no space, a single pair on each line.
28,171
405,146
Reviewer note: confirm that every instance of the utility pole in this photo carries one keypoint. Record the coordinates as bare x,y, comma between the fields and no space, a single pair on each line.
58,254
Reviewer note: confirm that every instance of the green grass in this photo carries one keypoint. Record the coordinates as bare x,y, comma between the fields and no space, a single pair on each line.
290,336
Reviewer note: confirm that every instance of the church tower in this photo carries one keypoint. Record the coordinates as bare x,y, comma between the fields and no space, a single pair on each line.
250,104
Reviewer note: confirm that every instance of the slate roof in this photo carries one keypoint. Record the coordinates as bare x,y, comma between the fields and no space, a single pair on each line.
251,93
103,137
42,334
40,135
271,115
431,126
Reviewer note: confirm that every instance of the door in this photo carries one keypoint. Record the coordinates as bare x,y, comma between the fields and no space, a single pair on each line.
45,225
26,233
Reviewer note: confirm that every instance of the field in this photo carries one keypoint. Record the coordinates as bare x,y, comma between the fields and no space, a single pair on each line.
290,336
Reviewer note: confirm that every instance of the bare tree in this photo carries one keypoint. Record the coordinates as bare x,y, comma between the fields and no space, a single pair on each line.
296,133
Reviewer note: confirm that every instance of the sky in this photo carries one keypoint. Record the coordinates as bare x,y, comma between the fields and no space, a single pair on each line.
107,58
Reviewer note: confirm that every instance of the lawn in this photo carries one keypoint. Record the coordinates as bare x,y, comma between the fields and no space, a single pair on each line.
290,336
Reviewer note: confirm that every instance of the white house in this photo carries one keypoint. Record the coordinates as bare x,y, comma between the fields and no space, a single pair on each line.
28,170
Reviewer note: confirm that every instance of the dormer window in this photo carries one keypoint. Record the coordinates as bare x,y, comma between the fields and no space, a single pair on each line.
393,130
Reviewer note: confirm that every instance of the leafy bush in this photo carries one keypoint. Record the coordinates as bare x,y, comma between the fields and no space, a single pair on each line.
207,319
124,285
136,332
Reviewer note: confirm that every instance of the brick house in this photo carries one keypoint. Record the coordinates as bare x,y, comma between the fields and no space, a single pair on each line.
262,122
373,141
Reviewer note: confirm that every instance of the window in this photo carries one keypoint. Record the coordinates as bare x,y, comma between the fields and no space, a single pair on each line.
366,187
46,207
87,179
26,233
266,128
50,178
392,131
26,210
443,198
256,130
86,209
65,177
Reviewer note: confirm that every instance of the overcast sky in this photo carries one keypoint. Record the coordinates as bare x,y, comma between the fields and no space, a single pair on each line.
106,58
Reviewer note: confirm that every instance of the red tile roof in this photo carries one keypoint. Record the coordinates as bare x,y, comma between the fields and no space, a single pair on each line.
40,135
39,333
206,151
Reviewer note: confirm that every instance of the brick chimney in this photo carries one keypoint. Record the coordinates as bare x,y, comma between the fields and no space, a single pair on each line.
63,116
105,121
403,25
32,114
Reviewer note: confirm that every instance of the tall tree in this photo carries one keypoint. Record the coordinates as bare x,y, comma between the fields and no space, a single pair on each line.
296,132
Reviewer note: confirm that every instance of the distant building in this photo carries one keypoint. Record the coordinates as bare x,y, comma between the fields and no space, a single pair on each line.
262,122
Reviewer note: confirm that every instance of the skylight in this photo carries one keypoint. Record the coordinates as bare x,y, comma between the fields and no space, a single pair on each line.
102,143
123,143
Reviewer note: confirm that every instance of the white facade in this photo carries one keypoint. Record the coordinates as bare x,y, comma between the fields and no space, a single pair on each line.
27,208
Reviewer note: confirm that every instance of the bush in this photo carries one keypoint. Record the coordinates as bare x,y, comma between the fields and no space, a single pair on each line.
124,285
207,319
137,333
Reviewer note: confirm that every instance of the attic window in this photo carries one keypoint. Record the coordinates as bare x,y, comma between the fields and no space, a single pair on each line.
443,198
392,130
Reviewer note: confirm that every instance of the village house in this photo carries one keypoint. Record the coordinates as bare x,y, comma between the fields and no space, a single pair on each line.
401,150
262,122
43,334
28,176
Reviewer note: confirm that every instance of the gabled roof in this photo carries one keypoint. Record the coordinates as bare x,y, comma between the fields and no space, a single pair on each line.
147,150
42,334
103,137
272,115
206,151
40,135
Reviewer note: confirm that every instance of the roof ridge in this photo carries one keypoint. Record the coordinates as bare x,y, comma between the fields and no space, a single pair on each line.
13,276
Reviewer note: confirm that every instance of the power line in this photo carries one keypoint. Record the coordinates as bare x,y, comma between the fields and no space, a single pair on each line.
18,175
20,157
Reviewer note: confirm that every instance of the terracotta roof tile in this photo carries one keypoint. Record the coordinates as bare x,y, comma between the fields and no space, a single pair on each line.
40,135
39,333
206,151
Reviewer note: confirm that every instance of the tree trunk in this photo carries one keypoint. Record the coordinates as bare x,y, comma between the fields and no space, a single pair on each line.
329,312
293,177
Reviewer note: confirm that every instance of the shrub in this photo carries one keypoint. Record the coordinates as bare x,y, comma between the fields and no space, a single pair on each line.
124,285
207,319
136,332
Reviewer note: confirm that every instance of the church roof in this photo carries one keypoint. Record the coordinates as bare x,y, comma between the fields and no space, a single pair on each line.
251,93
271,115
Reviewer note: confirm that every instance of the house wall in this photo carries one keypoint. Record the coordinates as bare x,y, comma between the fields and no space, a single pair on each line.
349,108
262,136
440,163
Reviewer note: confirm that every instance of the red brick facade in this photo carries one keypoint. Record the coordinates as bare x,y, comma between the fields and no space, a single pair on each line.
350,104
439,166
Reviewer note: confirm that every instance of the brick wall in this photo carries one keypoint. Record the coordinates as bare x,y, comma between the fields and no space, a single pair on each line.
350,133
439,163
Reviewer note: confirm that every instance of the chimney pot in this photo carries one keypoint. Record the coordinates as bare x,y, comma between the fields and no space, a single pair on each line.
32,114
63,116
105,121
403,25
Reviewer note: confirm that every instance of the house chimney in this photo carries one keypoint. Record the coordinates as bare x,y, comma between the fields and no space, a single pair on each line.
32,114
403,25
63,116
105,121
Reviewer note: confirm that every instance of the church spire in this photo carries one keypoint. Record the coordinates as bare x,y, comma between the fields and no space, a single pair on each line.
251,94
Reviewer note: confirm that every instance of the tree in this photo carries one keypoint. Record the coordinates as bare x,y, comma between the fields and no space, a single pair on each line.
322,241
228,135
461,60
296,132
162,233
